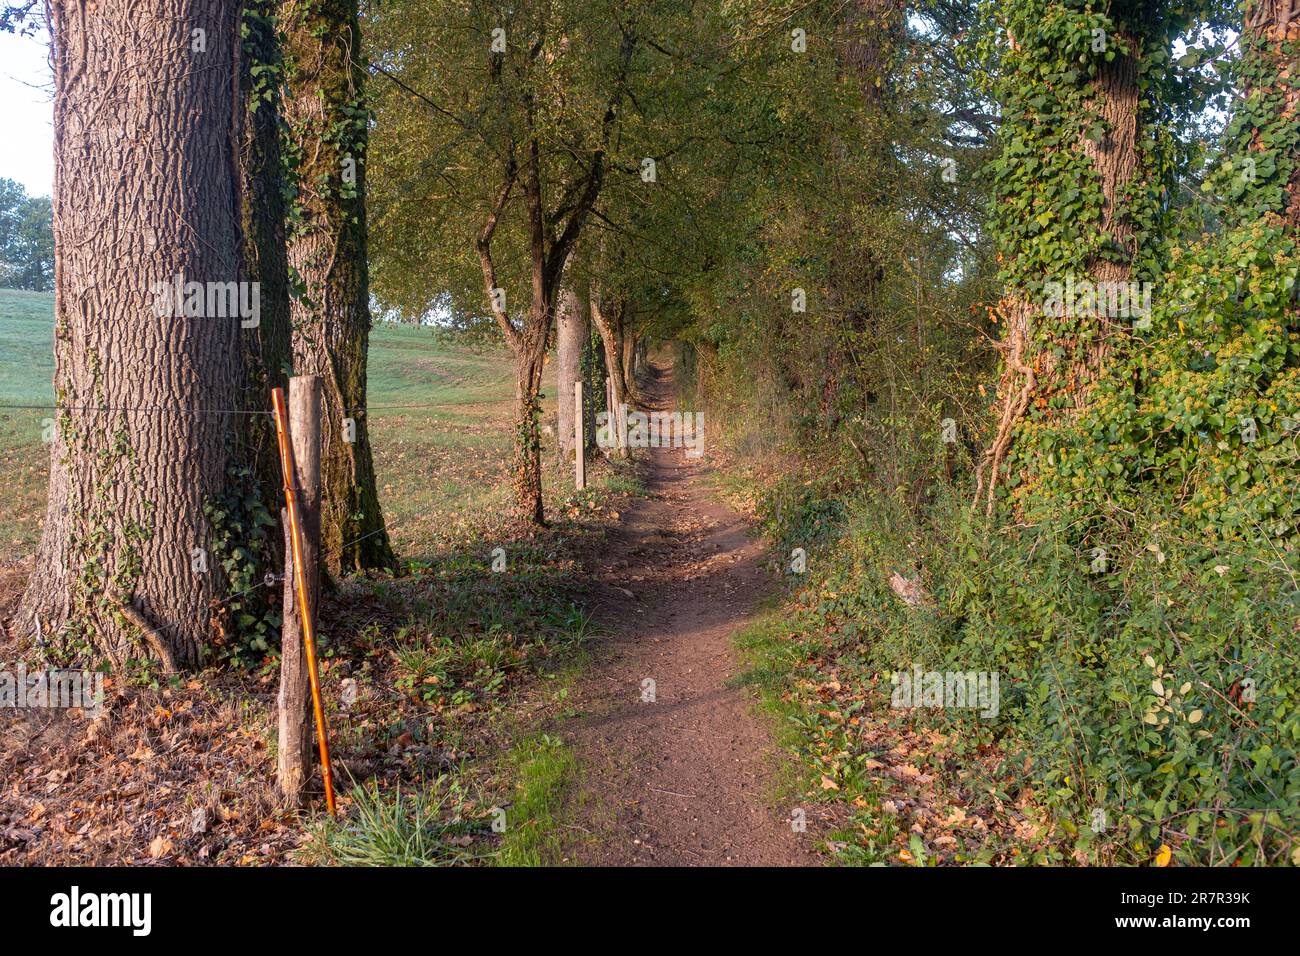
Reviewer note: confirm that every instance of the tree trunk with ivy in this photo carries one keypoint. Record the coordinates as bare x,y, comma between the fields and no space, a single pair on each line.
1065,216
145,396
268,345
268,351
593,384
1114,157
326,116
1186,423
1272,65
244,517
526,475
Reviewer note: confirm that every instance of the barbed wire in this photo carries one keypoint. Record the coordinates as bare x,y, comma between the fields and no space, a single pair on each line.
267,581
237,411
485,401
141,408
270,579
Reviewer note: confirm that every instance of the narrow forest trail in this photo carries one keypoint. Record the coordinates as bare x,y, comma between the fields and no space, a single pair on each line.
687,779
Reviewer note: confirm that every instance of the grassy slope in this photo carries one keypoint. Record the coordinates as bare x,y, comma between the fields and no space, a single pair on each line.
26,372
437,466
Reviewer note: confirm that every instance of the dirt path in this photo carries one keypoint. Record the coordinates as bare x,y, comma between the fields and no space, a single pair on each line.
685,779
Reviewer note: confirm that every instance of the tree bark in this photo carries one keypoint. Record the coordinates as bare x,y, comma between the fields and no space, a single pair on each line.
1115,158
326,115
610,326
267,347
527,472
572,333
146,189
629,362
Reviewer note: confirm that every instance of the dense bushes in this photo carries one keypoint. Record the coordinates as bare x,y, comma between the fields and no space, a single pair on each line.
1156,686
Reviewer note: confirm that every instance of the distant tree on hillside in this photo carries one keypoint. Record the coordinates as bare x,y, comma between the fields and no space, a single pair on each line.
26,239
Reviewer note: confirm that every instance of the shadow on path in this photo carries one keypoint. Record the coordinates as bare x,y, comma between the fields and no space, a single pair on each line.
687,779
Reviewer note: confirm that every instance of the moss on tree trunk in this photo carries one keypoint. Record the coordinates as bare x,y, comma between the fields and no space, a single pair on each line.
326,113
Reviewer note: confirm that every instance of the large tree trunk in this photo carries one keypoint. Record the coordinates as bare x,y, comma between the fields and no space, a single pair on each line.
325,111
268,352
146,189
1050,364
1115,159
572,333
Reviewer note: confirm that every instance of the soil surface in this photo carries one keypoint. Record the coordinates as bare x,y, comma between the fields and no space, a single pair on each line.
680,772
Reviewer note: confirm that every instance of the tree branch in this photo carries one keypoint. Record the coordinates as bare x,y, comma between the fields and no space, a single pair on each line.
484,246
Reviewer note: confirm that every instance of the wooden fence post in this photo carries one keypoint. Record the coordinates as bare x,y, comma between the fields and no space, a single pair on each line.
580,442
610,424
296,677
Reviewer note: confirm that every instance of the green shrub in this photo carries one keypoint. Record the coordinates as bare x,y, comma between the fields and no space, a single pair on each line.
1128,685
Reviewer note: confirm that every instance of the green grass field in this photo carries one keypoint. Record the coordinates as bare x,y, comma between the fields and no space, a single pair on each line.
439,468
26,374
